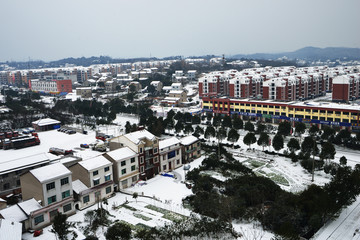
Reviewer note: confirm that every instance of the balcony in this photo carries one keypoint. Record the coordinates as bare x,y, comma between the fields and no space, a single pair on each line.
191,150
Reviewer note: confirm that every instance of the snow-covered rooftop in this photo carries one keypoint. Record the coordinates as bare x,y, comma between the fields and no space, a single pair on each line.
78,186
46,121
121,153
24,162
188,140
50,172
18,212
10,230
176,92
137,136
95,163
168,142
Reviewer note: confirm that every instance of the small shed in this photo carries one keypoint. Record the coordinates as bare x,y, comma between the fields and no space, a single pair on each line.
46,124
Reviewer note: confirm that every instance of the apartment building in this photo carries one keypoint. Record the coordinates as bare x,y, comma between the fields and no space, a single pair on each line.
146,145
170,154
50,185
125,166
346,88
93,181
52,86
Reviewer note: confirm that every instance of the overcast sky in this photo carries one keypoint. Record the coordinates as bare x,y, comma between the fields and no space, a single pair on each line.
51,30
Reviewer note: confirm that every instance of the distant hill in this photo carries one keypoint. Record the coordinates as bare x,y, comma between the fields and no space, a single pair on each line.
309,53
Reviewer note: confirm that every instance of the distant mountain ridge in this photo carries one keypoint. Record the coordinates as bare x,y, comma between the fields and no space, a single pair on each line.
309,53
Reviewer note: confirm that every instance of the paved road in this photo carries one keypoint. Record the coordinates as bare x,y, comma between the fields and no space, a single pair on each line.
346,226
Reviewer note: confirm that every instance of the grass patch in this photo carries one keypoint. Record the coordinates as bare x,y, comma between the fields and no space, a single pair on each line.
128,224
145,218
128,207
278,179
172,216
141,226
256,164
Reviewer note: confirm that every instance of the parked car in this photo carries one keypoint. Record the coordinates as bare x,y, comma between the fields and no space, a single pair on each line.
84,145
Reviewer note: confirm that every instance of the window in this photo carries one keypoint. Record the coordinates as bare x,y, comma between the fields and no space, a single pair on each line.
53,213
39,219
106,169
107,177
86,199
155,159
108,190
64,181
17,182
178,162
133,168
140,150
50,186
95,173
52,199
6,186
155,150
123,171
123,163
67,207
164,167
65,194
141,160
96,181
142,169
132,160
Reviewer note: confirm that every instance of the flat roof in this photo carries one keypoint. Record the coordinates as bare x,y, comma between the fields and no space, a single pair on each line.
50,172
22,163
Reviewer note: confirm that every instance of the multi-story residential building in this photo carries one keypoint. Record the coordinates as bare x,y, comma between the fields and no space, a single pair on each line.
345,88
170,154
84,92
191,74
146,145
52,187
158,85
191,148
125,166
278,83
321,113
93,181
51,86
175,98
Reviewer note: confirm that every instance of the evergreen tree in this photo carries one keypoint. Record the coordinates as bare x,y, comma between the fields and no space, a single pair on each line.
263,140
284,128
210,132
293,145
199,131
127,127
249,139
118,231
227,122
260,127
179,127
327,151
233,136
278,142
188,129
300,128
61,227
238,123
249,126
343,161
314,129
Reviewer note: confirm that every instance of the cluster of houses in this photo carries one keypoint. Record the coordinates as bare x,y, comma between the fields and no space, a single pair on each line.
75,185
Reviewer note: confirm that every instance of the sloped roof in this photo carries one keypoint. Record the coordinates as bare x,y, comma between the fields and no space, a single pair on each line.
49,172
46,121
95,163
137,136
121,153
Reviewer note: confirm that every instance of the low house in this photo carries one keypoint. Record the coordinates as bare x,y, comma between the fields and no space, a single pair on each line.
170,154
10,230
95,183
125,166
22,213
191,148
52,187
46,124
